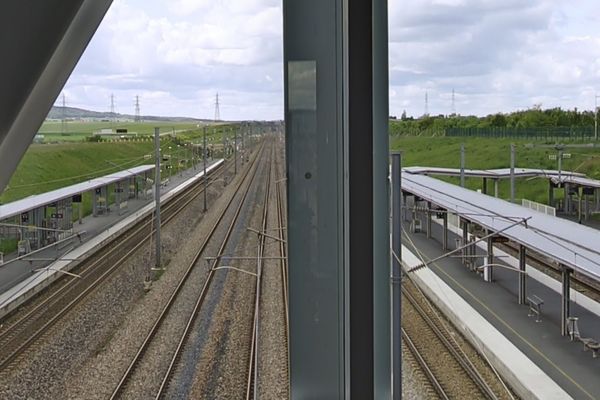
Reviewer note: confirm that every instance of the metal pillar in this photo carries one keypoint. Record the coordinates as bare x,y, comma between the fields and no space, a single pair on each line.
157,193
465,237
387,348
496,191
512,173
235,153
484,186
445,235
462,165
523,275
490,258
204,176
429,220
567,198
550,193
331,178
396,275
565,311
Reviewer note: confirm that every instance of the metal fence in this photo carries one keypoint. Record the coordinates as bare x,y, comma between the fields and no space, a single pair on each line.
550,133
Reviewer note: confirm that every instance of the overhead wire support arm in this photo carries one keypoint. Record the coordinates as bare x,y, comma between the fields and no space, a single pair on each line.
464,246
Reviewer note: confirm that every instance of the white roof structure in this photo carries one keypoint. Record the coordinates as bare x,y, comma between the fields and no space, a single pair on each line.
577,180
33,202
569,243
501,173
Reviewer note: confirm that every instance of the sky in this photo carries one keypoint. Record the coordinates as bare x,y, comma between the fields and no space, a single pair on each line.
496,55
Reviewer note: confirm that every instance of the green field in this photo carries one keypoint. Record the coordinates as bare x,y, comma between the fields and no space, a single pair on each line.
483,153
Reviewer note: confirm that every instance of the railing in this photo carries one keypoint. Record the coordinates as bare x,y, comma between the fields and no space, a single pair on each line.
539,207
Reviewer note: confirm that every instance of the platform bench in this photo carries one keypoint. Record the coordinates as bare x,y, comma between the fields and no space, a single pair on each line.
591,344
535,307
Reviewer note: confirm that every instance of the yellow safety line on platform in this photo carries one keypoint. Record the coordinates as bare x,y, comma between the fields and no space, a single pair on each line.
440,269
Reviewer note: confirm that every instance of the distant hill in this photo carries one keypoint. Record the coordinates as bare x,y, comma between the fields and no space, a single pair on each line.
79,113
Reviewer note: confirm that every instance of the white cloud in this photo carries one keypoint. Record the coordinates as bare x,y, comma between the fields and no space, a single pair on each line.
499,55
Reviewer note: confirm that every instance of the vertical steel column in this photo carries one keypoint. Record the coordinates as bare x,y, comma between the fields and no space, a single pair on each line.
462,165
157,193
566,299
429,235
522,275
484,186
512,173
94,203
445,236
490,254
329,57
387,356
204,174
396,280
496,190
567,199
550,193
465,238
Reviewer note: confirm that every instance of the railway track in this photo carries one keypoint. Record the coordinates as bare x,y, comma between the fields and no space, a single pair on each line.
232,206
19,333
451,372
251,389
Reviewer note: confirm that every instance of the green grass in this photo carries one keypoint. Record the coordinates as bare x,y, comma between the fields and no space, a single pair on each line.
79,131
483,153
8,245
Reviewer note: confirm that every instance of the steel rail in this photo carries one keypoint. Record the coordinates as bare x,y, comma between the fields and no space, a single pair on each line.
121,386
91,278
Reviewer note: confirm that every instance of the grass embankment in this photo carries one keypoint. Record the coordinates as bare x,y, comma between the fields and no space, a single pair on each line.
483,153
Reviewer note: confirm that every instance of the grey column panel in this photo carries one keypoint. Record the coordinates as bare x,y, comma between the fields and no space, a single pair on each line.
315,167
383,345
490,252
329,116
445,236
396,275
522,276
41,43
484,186
566,300
465,237
429,216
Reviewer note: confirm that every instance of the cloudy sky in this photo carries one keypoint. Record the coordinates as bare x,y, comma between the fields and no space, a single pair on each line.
497,55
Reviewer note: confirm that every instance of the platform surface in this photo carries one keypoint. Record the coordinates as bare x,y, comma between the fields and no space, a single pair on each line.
564,361
15,272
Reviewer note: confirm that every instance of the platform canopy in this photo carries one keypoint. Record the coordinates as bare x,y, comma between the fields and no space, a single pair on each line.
40,200
569,243
577,181
501,173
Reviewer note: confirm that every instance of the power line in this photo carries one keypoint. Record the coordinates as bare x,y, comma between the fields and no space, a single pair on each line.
217,111
138,117
112,108
453,102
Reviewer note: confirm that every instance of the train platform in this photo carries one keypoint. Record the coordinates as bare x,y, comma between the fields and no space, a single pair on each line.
576,371
21,278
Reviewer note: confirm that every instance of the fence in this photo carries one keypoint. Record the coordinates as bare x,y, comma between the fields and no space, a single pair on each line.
539,207
550,133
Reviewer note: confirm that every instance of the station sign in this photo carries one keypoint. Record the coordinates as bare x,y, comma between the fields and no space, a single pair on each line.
24,218
118,190
56,215
500,239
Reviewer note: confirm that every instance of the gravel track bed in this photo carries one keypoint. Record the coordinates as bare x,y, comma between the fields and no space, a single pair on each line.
456,383
415,385
222,367
148,376
99,376
272,382
63,364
